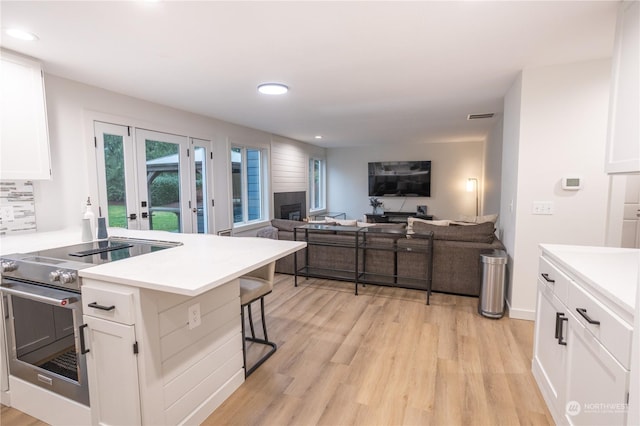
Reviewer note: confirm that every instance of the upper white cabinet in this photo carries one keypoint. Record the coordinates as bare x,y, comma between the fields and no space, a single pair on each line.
24,145
623,142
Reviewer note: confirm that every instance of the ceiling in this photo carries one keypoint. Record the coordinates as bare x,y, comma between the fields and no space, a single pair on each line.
360,73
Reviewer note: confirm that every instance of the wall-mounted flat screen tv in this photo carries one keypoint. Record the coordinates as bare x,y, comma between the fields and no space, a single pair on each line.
400,179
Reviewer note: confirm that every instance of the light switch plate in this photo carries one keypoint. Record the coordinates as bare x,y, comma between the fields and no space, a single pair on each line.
542,207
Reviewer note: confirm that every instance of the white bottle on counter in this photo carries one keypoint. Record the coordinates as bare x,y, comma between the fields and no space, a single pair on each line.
88,220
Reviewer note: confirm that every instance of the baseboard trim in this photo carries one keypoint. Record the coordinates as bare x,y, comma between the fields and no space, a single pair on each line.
523,314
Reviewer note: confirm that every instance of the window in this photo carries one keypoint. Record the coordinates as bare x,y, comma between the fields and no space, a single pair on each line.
317,198
248,188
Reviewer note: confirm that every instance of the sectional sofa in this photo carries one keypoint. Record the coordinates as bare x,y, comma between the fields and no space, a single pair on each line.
456,253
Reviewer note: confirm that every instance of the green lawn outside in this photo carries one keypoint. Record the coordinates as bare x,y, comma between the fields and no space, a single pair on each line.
162,221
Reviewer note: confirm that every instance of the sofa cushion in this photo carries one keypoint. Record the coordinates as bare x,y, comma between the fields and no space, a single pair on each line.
393,226
412,220
480,233
286,225
479,219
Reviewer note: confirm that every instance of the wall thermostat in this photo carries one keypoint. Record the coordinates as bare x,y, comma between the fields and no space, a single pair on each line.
571,183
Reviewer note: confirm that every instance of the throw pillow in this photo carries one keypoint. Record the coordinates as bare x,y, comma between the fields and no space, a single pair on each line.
342,222
412,220
478,233
286,225
364,224
479,219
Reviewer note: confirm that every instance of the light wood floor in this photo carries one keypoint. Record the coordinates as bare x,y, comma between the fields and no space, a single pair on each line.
381,358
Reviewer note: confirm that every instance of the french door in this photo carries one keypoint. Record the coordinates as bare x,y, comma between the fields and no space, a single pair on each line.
153,180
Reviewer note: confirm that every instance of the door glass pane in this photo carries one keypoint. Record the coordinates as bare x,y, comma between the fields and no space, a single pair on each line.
163,185
201,188
115,177
253,184
236,179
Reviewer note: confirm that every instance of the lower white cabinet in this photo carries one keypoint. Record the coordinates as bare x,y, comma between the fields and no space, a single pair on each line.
597,385
550,350
581,351
115,398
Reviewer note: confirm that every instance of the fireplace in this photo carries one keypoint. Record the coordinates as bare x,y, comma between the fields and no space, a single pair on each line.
291,211
290,205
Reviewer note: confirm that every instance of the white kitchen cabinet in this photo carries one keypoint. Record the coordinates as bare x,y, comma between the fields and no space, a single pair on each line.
114,396
597,382
112,364
582,339
550,350
623,140
25,138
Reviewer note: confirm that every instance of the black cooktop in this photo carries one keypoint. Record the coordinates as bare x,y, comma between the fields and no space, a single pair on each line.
104,251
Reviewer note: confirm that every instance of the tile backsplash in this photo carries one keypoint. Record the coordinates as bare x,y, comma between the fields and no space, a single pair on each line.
17,207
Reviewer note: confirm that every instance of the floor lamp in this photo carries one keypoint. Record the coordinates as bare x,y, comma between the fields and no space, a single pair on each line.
472,184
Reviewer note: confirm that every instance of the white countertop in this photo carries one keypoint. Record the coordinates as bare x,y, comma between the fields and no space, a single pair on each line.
203,262
611,271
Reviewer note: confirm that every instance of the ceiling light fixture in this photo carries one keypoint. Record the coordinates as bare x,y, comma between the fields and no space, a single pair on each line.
21,34
318,136
273,89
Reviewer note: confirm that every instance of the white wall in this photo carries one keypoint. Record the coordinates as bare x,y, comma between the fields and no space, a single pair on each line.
71,109
491,182
557,129
451,165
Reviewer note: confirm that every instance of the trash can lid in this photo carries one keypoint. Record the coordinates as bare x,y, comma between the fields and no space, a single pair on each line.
493,256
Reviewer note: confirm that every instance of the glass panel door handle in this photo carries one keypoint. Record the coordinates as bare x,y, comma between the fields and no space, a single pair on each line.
144,215
133,216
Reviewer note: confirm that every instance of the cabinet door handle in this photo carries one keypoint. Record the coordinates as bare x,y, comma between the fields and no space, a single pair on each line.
101,307
547,279
561,340
583,312
83,347
558,323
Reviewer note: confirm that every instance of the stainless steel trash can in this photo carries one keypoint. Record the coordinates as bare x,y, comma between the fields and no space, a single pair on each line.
492,290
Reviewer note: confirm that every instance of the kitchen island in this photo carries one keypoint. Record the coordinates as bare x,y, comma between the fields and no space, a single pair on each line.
161,333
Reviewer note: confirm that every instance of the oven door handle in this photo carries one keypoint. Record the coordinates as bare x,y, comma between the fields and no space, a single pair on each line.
38,293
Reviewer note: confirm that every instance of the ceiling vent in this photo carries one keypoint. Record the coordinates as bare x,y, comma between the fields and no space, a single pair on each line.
479,116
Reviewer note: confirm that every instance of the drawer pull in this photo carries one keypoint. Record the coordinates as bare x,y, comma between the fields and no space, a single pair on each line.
560,316
583,312
558,323
101,307
547,279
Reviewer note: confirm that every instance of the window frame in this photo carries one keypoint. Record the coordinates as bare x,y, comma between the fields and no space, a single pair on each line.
244,196
322,187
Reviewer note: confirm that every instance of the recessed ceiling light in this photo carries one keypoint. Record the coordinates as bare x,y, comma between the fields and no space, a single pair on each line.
21,34
273,89
318,136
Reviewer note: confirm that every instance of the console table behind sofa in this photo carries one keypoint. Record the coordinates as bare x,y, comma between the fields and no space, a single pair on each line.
395,217
456,254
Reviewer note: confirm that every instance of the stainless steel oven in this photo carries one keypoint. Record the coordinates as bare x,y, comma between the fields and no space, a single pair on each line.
43,327
43,311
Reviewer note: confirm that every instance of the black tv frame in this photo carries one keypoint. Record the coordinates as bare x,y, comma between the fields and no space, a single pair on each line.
399,178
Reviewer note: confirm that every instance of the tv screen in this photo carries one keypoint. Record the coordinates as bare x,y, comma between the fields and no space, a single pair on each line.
400,179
